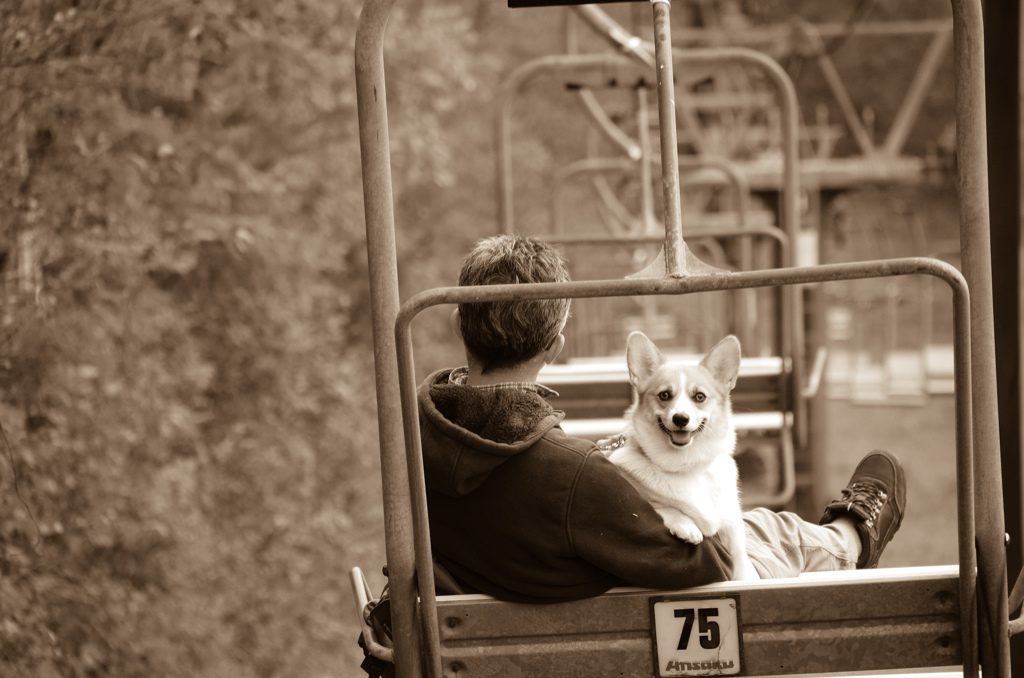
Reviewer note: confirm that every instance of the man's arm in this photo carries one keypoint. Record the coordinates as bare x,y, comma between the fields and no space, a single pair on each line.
611,526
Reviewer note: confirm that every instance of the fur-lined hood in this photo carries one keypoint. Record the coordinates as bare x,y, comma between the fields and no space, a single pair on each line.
467,432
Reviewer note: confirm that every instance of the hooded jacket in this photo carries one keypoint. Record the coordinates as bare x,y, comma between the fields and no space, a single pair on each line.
522,512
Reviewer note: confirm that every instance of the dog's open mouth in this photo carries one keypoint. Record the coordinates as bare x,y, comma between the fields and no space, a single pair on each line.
680,438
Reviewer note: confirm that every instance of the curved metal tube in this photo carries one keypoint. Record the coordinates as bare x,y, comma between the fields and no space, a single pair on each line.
685,285
731,170
503,116
588,166
361,593
607,126
402,527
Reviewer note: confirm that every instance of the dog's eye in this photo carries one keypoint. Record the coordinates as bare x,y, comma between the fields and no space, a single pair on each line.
699,397
665,395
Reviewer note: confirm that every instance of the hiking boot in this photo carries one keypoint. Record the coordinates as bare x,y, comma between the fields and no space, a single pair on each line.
874,500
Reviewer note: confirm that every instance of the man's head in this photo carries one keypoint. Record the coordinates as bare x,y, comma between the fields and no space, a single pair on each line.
503,334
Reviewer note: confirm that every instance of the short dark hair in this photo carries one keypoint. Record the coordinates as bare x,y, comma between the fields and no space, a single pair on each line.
504,333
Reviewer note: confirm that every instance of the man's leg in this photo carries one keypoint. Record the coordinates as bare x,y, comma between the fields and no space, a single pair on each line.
784,545
853,531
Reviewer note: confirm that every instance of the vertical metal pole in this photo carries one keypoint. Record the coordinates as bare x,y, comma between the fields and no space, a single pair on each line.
643,123
675,260
430,640
383,268
503,158
965,483
975,245
1002,89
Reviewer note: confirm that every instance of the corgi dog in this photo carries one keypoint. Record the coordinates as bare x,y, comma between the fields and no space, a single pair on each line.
679,441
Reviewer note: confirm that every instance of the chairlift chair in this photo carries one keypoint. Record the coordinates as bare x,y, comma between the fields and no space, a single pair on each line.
874,621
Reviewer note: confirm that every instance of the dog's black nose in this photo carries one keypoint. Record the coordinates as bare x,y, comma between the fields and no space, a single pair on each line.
680,420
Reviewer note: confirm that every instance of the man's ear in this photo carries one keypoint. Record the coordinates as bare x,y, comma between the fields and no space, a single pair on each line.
551,352
456,321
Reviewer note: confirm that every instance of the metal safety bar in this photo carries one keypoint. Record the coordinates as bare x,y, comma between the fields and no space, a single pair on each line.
687,285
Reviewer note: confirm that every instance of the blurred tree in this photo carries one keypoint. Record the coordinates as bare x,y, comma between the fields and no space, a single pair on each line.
190,456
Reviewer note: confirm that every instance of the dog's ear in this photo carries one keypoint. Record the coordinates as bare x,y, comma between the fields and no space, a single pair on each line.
723,361
642,357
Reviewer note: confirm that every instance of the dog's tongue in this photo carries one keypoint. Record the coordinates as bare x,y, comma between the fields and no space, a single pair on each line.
680,437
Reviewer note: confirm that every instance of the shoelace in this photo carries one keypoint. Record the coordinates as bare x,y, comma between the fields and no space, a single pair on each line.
870,497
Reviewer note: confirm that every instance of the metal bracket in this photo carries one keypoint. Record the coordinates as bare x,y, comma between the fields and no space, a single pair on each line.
1016,598
361,591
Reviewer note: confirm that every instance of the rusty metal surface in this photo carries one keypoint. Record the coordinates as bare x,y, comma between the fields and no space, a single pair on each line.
881,620
676,259
380,236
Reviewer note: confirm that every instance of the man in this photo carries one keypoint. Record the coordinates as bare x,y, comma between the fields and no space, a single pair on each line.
522,512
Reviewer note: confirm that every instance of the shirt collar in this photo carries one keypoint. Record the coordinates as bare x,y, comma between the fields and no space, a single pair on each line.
459,375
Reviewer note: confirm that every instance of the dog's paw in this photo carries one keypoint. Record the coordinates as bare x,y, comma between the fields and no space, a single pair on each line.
681,525
687,531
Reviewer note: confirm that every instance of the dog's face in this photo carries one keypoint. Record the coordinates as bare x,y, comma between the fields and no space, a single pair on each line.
682,415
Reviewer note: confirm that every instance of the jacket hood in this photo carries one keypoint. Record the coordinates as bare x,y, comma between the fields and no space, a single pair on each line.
468,432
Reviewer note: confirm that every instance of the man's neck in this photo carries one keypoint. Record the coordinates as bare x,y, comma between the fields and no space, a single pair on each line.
523,372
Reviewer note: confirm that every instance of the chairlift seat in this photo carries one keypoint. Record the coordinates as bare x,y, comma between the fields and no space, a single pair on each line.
854,621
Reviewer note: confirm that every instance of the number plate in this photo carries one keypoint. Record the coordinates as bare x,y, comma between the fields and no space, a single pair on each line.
696,636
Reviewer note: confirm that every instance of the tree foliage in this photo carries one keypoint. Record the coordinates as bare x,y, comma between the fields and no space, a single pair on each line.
192,458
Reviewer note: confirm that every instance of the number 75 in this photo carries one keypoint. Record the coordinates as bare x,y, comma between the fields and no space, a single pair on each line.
710,636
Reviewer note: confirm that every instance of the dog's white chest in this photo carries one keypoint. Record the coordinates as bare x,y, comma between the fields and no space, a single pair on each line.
708,494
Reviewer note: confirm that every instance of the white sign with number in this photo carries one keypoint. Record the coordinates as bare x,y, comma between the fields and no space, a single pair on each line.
696,637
